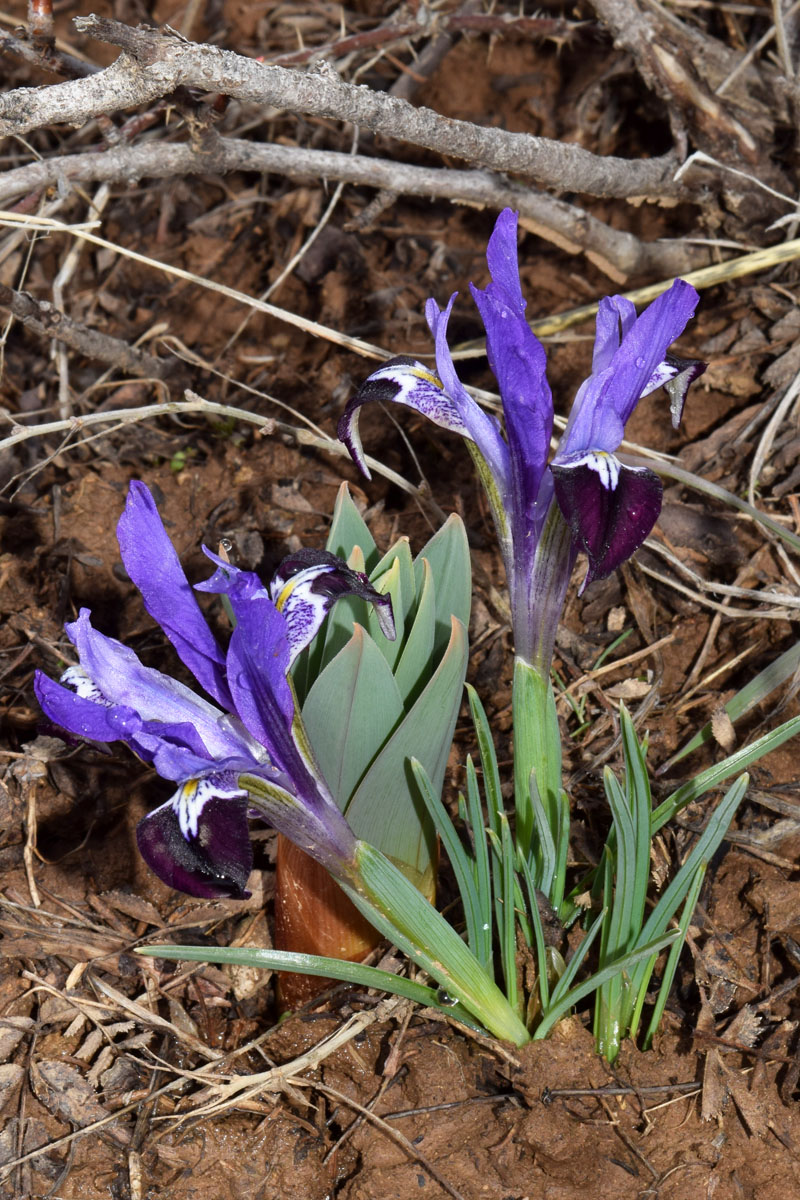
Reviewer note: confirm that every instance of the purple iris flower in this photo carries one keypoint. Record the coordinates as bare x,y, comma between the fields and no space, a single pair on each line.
585,498
198,841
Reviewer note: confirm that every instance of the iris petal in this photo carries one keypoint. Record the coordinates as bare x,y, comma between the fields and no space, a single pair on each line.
85,718
612,312
675,375
199,841
257,663
518,362
122,679
609,507
306,586
606,400
482,429
402,380
153,565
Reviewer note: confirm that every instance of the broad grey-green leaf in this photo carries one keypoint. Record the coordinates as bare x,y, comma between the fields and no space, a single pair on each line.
350,538
400,554
346,612
350,712
348,529
417,662
448,555
396,581
399,824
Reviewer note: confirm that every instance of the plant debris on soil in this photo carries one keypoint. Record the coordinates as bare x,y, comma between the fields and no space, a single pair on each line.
136,355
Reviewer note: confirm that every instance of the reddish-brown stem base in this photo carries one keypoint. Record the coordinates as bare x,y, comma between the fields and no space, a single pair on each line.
313,916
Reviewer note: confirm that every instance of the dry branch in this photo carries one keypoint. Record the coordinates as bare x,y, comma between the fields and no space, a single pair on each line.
683,66
615,251
45,57
154,64
46,320
556,29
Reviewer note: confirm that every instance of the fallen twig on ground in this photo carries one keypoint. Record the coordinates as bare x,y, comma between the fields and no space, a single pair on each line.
43,318
557,29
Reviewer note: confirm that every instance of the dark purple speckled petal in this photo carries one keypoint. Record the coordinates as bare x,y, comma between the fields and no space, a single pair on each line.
199,841
609,507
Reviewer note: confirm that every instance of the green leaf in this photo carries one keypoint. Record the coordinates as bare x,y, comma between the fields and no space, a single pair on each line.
714,776
637,787
346,613
489,765
704,849
668,974
348,529
545,841
480,851
745,699
391,903
618,936
507,926
398,564
386,808
618,921
396,581
538,933
311,964
459,858
417,661
576,962
573,997
351,710
350,538
448,555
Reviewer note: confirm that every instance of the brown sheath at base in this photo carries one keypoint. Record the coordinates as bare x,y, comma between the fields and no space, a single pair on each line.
313,916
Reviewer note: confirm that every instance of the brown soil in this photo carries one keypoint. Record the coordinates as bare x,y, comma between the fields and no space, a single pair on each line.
179,1062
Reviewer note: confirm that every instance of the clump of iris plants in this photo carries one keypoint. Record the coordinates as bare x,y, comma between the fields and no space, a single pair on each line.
248,750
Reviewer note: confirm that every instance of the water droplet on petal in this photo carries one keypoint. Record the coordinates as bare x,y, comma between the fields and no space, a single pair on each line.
639,363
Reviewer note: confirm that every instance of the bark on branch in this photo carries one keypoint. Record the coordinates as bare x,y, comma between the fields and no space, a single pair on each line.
154,64
619,253
45,320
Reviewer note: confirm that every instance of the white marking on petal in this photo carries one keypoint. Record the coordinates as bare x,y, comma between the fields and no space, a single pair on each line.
605,465
80,683
305,612
662,374
299,582
192,797
422,390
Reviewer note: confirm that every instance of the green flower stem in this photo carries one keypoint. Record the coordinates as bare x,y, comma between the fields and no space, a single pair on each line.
537,752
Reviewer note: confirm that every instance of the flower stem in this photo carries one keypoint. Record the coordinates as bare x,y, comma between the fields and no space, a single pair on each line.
537,770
